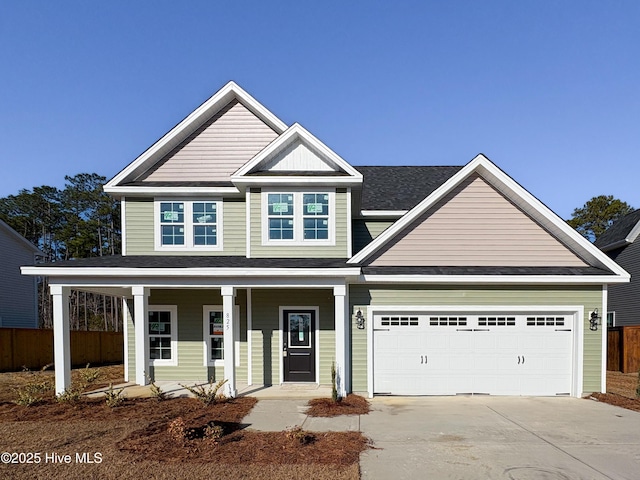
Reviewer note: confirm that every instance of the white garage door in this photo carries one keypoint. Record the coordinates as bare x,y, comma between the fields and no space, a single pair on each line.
449,354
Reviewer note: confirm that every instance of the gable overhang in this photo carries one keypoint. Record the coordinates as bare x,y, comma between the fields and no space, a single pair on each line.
297,132
23,242
186,127
516,194
628,240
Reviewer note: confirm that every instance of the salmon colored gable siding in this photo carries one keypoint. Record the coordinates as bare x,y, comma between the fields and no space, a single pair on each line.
217,149
475,225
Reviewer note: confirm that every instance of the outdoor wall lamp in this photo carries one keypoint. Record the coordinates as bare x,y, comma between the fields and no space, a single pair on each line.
594,320
360,319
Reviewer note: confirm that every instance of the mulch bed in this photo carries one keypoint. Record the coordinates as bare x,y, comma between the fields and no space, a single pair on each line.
349,405
618,400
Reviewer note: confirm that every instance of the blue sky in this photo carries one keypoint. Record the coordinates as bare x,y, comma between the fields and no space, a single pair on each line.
548,90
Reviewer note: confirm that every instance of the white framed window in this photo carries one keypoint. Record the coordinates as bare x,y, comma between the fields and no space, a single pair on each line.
611,319
163,335
298,217
188,224
213,334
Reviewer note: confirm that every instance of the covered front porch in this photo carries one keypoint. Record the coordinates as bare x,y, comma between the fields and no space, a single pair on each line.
255,333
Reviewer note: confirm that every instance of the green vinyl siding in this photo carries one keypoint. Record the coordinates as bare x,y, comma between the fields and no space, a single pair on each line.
365,231
589,297
339,250
265,335
191,363
140,231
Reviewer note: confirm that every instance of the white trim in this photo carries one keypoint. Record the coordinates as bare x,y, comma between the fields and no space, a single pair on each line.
123,226
496,279
61,337
512,190
349,225
249,339
191,123
206,309
294,132
605,338
188,223
247,207
141,329
125,335
173,311
143,191
298,218
281,310
577,341
342,366
391,214
97,272
284,181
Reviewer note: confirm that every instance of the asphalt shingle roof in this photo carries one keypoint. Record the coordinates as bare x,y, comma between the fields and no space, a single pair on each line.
400,188
619,230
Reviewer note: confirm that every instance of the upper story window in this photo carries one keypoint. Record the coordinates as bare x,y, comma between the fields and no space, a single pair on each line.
182,225
298,217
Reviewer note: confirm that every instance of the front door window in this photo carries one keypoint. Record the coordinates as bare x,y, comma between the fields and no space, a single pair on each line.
299,330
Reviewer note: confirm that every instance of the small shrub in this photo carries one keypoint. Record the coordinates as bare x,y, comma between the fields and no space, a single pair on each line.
638,387
213,432
71,394
31,393
113,398
178,429
156,391
207,394
334,387
89,376
297,434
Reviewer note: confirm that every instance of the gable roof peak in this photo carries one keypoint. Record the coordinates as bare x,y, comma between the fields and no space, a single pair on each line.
156,152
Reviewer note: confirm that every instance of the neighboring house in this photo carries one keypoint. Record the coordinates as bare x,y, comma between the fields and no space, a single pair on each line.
18,294
253,252
621,243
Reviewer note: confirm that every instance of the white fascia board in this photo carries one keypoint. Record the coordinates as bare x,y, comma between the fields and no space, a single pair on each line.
243,182
497,279
383,213
191,123
141,191
294,132
61,272
516,193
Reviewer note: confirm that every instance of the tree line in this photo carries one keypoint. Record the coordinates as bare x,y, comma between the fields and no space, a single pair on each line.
77,221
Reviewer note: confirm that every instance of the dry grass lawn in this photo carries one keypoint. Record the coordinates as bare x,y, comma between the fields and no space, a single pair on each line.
135,440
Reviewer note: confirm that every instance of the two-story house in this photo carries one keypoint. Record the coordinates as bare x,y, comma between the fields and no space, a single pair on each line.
253,252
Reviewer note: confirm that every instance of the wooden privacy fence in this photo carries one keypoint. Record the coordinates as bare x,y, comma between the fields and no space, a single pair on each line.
623,349
33,348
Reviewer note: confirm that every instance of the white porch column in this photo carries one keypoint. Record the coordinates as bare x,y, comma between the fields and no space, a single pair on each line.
61,337
228,295
342,367
141,330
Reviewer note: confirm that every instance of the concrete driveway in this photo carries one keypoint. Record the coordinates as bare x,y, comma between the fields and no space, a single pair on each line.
512,438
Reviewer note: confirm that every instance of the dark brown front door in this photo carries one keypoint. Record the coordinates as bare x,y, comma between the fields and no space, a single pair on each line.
298,329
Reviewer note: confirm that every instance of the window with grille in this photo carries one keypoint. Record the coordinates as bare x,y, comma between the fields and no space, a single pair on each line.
447,321
397,321
496,321
545,321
